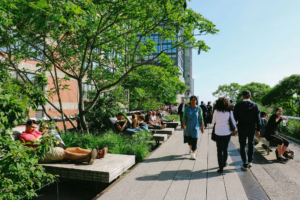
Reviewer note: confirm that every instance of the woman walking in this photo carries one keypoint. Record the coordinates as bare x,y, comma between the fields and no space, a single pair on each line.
272,133
221,118
191,121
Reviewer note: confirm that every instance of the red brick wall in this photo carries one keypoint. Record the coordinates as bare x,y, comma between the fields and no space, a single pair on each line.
55,113
32,114
68,124
65,95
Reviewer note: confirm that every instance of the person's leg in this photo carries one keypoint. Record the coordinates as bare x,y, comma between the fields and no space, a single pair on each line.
250,135
78,150
285,145
205,122
242,141
194,144
277,140
225,148
220,146
76,157
181,115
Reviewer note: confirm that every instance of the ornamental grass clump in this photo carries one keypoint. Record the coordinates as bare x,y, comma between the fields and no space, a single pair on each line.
138,144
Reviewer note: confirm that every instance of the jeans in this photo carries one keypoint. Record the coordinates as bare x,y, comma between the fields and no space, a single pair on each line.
131,131
222,149
152,126
243,135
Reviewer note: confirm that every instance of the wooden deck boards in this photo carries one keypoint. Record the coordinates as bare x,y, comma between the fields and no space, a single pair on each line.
103,170
169,173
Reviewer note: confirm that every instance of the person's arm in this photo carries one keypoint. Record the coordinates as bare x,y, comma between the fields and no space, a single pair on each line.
236,113
214,120
201,120
134,122
184,117
121,128
258,120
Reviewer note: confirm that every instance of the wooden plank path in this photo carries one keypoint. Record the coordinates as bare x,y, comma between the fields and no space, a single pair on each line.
168,173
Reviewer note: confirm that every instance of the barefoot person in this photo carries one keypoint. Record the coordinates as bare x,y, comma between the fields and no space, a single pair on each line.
30,136
192,121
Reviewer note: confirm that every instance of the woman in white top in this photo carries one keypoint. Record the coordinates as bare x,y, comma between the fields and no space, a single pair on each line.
221,120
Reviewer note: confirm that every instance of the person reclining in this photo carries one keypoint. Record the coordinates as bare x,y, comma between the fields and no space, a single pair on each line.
152,124
75,154
161,119
121,125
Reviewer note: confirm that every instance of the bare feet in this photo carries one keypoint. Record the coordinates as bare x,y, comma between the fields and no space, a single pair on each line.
93,156
102,153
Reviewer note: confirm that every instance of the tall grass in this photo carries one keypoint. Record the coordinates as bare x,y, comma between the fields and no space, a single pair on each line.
137,144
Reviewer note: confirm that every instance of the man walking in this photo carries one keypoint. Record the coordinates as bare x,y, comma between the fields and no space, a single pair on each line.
181,108
204,113
247,115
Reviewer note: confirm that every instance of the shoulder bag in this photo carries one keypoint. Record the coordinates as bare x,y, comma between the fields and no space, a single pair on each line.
213,134
231,125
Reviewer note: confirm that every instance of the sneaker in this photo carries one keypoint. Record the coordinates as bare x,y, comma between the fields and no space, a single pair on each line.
94,154
193,156
250,164
163,126
244,167
173,120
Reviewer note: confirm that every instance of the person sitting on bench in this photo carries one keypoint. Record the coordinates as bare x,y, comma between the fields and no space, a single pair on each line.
154,118
160,117
264,122
30,136
152,124
121,125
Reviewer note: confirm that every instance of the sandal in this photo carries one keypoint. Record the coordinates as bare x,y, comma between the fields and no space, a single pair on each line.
102,153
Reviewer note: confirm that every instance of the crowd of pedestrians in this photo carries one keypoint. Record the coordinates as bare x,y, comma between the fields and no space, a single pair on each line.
243,119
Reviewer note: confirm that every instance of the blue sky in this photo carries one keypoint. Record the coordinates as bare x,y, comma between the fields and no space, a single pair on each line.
259,41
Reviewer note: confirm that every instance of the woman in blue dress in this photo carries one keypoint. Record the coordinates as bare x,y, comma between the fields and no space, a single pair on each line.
192,122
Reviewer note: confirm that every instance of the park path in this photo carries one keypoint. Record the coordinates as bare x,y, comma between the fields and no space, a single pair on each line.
169,173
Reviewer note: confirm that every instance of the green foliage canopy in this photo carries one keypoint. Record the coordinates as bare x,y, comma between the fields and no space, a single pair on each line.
228,91
258,91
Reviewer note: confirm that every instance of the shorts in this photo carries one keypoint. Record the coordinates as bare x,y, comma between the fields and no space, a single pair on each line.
54,155
191,141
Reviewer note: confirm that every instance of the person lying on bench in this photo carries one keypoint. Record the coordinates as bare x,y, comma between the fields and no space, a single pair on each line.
160,117
151,123
75,154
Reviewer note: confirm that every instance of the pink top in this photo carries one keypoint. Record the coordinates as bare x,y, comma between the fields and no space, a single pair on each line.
25,137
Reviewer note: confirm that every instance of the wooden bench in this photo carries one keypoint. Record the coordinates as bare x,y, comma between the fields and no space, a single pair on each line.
103,170
157,137
266,142
171,124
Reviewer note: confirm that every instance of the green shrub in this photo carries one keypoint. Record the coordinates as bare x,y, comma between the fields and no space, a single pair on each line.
292,128
137,145
175,117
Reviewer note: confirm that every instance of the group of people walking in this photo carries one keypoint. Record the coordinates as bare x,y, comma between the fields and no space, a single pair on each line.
243,119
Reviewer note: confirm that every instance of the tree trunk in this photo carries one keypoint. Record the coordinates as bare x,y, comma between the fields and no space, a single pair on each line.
83,125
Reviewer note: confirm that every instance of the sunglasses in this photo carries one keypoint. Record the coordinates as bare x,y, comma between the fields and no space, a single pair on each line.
280,111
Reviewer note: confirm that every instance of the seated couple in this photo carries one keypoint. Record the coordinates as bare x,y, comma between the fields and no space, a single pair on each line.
155,120
61,152
160,117
138,124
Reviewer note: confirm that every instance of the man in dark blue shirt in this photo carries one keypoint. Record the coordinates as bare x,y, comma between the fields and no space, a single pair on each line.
247,115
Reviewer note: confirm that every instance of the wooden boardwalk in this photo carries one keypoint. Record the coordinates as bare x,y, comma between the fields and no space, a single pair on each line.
168,173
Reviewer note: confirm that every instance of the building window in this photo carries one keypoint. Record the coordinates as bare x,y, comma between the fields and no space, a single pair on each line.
39,114
85,89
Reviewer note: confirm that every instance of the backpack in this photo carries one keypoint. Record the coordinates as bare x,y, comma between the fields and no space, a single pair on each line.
289,154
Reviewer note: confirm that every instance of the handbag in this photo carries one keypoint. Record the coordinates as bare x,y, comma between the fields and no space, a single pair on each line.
231,125
213,133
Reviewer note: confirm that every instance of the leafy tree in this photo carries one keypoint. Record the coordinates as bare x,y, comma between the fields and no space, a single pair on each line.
152,86
229,91
106,106
285,94
19,173
96,42
258,90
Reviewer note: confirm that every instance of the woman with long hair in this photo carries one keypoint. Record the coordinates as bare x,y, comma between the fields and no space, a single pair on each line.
221,117
192,121
272,133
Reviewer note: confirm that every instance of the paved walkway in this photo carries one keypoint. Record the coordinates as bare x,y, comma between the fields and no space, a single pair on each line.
168,173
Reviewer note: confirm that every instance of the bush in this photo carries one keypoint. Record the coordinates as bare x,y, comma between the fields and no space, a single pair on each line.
292,128
137,145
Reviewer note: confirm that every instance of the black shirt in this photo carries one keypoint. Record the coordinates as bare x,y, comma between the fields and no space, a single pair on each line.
121,124
273,127
147,119
209,110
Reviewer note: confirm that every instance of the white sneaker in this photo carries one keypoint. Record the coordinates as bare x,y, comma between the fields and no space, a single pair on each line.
193,156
